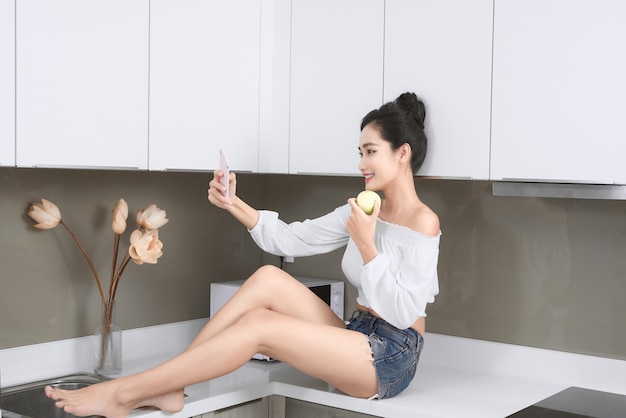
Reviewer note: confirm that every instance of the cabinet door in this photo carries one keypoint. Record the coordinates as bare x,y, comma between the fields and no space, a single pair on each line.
558,91
257,409
336,78
441,50
82,83
7,83
274,77
204,83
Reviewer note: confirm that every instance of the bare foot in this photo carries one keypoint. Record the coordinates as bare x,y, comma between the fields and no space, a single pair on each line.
170,402
103,400
98,399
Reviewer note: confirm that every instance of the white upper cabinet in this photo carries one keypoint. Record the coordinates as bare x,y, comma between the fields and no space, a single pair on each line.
204,84
441,50
336,78
7,83
82,83
275,85
559,83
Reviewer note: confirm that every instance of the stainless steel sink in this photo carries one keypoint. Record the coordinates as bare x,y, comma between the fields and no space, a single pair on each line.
30,401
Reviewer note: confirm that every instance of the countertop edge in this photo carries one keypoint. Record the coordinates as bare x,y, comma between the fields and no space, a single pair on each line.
479,378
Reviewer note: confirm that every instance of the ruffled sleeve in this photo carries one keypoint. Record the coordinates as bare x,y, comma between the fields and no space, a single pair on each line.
299,239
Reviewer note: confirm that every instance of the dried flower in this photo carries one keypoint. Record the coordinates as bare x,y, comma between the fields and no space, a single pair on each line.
46,214
145,244
119,216
145,247
151,218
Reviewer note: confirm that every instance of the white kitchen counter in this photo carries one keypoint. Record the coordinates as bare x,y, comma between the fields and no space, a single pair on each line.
456,376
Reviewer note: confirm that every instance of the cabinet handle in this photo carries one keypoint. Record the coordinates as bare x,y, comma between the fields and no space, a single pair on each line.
554,181
559,190
84,167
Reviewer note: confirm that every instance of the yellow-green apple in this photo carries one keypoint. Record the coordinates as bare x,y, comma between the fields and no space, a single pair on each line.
366,200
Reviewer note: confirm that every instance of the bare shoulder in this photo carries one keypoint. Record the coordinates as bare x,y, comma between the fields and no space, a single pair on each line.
425,221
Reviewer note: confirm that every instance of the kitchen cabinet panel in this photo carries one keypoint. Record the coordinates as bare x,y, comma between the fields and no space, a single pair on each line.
258,408
441,50
7,82
82,83
336,78
304,409
204,84
275,87
558,91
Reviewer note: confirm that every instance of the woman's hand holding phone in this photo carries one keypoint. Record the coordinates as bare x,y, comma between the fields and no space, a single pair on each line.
219,187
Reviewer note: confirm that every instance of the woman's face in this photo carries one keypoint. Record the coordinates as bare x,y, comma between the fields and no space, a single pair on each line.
379,163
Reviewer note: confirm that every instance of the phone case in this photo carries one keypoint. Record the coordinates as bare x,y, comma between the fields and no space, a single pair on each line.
225,169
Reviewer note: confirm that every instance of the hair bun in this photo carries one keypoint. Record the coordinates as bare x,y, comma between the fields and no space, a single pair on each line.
412,105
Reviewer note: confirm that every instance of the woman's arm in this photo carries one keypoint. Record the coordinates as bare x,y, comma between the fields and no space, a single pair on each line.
243,212
312,236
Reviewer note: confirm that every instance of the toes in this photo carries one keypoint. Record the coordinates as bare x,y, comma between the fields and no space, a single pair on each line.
51,393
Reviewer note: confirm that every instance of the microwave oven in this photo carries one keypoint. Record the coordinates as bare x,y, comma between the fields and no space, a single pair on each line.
329,290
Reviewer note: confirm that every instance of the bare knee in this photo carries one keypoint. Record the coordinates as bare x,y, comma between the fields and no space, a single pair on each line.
266,276
267,271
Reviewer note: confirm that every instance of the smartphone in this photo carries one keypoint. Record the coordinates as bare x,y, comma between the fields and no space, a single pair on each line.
225,170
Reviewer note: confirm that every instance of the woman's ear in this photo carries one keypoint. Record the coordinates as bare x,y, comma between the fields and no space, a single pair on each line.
405,152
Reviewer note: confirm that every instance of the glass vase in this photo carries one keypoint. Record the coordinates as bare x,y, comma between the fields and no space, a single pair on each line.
108,345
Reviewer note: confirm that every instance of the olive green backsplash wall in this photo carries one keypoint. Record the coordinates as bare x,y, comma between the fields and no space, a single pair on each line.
47,291
548,273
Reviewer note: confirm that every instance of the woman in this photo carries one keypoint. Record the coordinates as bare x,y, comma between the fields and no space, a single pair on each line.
391,257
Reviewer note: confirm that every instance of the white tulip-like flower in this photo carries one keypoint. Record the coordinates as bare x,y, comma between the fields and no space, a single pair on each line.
145,247
119,216
46,214
151,218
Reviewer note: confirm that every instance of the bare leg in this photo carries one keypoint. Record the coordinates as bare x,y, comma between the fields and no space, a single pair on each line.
271,288
266,316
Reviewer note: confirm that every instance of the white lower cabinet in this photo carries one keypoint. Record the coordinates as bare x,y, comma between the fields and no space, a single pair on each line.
259,408
300,409
276,406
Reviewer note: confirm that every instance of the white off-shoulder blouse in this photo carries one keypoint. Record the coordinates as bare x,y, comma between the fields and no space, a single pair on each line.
398,283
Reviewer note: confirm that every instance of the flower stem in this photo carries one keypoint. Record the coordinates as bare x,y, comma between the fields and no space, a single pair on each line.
93,269
116,245
116,281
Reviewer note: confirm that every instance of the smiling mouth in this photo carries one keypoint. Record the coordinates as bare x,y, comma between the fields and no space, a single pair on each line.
368,177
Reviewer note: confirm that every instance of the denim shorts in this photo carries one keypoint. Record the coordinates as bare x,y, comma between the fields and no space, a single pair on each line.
395,352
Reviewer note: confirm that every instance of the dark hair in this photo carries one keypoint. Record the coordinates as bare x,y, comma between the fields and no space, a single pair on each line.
402,122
